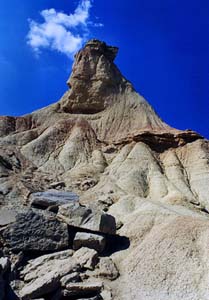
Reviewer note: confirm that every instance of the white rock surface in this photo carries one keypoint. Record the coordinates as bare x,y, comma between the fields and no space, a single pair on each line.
86,257
89,240
43,274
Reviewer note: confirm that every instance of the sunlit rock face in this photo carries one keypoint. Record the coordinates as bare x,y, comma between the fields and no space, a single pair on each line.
94,80
104,142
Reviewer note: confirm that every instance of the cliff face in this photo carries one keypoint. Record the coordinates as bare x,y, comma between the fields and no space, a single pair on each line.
104,142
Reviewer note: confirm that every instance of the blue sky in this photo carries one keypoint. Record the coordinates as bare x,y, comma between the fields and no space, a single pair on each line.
164,52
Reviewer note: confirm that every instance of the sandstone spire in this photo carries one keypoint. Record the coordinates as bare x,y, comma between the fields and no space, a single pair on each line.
104,147
95,79
98,87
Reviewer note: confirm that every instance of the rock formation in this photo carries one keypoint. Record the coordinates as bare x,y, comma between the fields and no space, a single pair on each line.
99,198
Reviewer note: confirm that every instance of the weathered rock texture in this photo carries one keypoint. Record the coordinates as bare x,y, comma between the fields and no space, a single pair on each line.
80,216
35,232
102,140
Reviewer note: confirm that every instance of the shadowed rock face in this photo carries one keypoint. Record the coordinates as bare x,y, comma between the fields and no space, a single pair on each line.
104,142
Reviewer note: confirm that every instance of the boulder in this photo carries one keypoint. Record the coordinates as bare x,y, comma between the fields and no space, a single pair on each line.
52,198
41,286
42,275
89,240
107,268
77,215
87,258
74,214
36,232
84,289
43,263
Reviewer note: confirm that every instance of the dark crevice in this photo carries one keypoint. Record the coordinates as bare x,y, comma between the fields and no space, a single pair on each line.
6,163
203,209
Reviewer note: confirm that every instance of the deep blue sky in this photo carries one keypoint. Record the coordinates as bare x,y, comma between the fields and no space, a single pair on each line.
164,52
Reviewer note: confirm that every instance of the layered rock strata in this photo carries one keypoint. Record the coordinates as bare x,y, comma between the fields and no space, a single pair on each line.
101,164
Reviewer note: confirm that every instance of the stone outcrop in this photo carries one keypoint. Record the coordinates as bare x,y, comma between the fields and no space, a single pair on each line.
44,278
107,268
52,198
90,240
86,257
35,232
94,68
100,169
61,274
80,216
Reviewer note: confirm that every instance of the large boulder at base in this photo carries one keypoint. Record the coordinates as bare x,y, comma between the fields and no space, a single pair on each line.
77,215
42,275
36,232
52,198
89,240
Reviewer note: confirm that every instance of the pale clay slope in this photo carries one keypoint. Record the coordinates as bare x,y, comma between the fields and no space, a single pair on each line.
159,181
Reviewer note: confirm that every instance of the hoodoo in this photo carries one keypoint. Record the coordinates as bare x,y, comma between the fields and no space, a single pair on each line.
99,198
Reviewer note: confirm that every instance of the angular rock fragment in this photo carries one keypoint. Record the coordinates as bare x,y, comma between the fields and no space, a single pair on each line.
41,286
89,240
73,277
80,216
52,198
45,263
86,257
107,268
36,232
74,214
43,275
84,288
